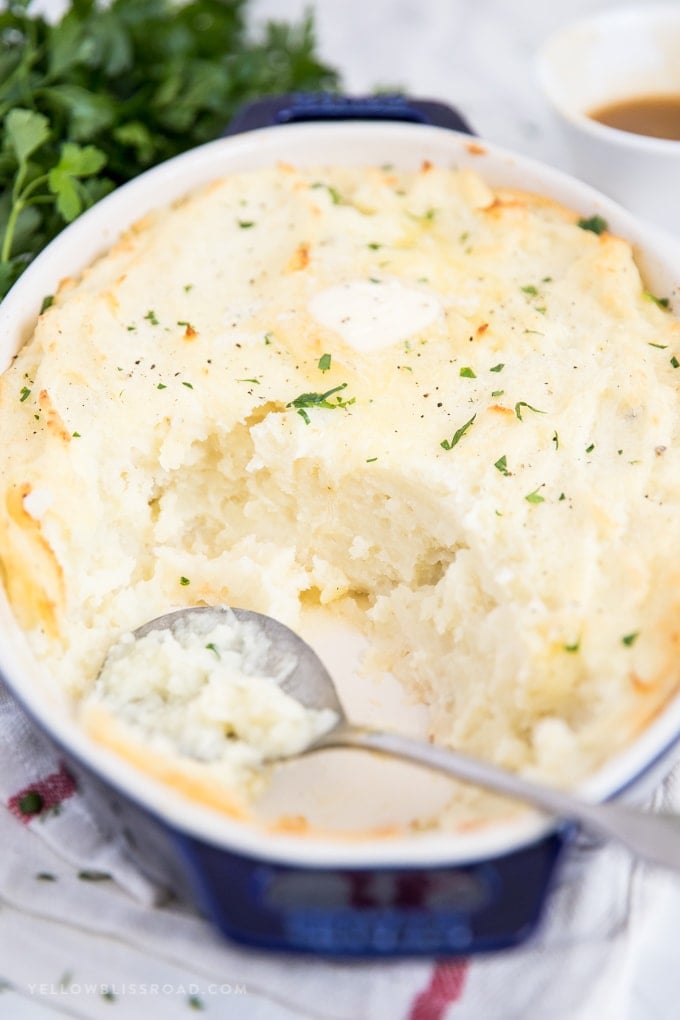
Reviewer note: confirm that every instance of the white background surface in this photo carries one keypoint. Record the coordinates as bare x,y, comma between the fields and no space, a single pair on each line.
477,54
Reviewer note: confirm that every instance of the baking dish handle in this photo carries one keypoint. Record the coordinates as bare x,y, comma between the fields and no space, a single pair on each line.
324,106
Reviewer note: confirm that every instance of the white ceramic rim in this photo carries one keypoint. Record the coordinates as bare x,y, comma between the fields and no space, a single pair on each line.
94,232
547,79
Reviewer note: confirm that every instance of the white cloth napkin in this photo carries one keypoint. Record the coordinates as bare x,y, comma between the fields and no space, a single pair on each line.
51,863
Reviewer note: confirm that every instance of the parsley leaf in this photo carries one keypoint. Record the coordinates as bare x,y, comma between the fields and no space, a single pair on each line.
319,400
447,444
335,196
63,179
111,88
661,302
25,131
595,224
522,403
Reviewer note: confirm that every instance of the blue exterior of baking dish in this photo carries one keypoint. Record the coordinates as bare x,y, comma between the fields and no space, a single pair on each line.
338,911
391,911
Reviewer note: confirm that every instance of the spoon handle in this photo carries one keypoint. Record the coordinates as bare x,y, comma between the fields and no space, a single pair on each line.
655,837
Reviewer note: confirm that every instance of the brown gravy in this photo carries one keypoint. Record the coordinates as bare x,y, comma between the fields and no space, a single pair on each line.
657,116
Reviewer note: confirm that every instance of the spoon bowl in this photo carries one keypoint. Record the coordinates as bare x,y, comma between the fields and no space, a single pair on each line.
655,837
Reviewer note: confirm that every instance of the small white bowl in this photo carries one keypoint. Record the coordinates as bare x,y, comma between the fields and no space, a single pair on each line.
617,55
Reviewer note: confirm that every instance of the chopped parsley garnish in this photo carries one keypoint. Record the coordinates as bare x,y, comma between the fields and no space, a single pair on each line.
374,246
25,394
246,224
589,449
184,581
253,380
151,317
674,362
46,876
161,386
426,217
522,403
530,289
467,373
108,995
371,460
268,338
556,440
595,224
502,465
188,385
535,497
31,803
324,362
76,435
195,1003
447,444
336,198
573,648
47,302
630,639
213,648
94,876
319,400
660,302
498,368
497,393
660,347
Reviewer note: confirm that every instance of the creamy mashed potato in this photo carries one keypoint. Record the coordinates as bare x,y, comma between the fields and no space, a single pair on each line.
209,688
446,413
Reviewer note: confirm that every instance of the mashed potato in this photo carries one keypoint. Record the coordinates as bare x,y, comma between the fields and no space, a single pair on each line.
446,413
207,686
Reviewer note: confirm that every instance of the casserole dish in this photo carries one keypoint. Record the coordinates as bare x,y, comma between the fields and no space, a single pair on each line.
431,894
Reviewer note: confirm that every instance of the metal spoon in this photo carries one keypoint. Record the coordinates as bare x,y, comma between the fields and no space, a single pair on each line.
653,837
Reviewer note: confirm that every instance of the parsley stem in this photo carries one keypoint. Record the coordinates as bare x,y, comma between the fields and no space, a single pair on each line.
37,182
10,228
19,203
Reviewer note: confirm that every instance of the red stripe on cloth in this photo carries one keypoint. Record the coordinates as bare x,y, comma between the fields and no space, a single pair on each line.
446,986
42,795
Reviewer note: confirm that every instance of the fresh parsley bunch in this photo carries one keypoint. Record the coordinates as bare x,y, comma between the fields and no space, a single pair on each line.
108,91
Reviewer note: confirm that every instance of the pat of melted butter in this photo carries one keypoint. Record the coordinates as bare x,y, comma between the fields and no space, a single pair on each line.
370,316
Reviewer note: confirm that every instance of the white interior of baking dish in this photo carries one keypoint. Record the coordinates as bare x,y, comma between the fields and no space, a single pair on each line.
338,789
